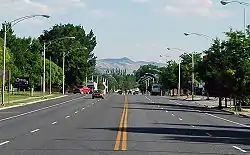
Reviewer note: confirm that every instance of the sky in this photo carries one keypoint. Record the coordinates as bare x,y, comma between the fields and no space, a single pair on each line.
137,29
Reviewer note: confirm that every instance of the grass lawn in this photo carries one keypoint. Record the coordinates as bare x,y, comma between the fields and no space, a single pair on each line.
25,98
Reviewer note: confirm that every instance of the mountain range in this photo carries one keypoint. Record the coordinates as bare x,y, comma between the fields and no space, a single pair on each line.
122,63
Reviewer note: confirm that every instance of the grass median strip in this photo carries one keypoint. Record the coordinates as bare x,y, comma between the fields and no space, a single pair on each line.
122,132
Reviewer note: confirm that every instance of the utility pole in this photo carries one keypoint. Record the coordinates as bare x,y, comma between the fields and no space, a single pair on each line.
44,50
63,71
50,75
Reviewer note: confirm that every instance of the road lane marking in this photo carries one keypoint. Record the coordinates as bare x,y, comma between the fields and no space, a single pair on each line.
228,120
33,131
172,114
67,117
122,135
209,134
3,143
54,123
37,110
76,112
118,137
180,119
239,149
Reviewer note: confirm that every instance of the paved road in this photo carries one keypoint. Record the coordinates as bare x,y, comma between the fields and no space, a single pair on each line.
119,124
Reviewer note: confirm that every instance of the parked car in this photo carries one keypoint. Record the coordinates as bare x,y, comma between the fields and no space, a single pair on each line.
98,94
81,89
136,92
119,92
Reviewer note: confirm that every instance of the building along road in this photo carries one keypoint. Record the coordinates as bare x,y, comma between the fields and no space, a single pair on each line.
119,124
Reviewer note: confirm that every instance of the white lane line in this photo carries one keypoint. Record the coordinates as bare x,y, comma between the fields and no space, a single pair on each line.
76,112
228,120
67,117
172,114
239,149
37,110
192,126
34,130
209,134
3,143
180,119
54,123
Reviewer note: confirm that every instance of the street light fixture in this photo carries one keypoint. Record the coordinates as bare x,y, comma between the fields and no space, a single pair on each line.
241,3
44,58
12,23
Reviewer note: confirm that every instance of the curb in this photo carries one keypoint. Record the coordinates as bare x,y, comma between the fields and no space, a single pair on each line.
21,105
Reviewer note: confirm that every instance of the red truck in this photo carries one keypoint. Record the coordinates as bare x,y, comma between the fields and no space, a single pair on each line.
82,90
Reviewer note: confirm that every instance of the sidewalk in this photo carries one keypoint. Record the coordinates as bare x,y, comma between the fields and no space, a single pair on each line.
212,103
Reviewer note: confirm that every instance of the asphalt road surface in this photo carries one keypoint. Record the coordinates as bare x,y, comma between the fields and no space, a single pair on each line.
118,124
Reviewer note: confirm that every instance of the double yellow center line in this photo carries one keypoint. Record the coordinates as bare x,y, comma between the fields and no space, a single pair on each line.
122,133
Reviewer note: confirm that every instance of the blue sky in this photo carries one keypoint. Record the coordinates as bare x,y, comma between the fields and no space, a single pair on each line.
138,29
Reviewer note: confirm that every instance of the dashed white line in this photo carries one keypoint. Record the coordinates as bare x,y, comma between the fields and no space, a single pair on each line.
54,123
209,134
67,117
239,149
34,130
180,119
172,114
228,120
76,112
3,143
37,110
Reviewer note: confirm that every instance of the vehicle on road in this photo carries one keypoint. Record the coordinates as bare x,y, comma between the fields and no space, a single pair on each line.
136,92
119,92
156,89
98,94
81,89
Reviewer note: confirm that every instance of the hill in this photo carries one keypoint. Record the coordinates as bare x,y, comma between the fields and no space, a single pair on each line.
122,63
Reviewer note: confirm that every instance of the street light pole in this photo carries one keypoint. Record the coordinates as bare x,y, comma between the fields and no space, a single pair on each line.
192,75
50,75
63,73
12,23
223,2
179,84
44,51
4,51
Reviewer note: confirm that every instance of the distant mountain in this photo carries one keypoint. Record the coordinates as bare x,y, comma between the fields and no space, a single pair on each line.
122,63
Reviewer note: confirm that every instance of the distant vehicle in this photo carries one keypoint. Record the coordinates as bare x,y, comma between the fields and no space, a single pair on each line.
156,89
129,92
119,92
98,94
136,92
82,90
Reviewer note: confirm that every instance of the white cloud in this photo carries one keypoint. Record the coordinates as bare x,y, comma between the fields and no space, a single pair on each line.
140,1
193,7
12,9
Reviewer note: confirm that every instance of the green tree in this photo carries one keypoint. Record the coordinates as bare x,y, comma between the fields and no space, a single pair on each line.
78,62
